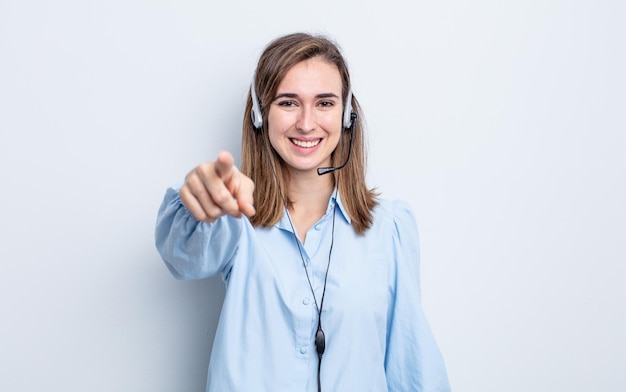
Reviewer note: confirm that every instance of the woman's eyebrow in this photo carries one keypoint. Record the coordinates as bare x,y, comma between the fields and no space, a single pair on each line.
285,95
327,95
318,96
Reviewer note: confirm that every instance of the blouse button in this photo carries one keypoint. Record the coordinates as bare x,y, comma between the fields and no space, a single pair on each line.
306,301
318,227
302,350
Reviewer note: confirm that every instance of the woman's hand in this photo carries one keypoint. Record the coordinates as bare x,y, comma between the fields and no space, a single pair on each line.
218,188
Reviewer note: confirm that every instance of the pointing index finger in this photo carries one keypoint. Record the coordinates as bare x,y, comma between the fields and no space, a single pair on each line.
224,165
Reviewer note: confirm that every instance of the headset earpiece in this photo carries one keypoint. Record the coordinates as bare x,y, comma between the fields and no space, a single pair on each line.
348,117
257,117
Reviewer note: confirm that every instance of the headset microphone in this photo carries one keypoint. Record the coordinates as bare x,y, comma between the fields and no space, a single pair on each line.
325,170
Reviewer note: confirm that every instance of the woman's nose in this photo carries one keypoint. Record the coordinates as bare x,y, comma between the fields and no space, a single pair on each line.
306,120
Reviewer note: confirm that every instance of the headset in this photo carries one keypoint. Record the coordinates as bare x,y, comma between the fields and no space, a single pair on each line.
349,120
257,117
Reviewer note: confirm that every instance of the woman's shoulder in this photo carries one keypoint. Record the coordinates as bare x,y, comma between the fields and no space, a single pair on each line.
393,212
392,207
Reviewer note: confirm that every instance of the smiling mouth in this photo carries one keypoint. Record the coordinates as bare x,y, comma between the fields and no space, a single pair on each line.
306,144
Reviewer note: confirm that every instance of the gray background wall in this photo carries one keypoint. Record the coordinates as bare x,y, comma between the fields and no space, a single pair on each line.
502,123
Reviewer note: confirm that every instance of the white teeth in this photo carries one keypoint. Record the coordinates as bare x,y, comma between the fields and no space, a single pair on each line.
305,144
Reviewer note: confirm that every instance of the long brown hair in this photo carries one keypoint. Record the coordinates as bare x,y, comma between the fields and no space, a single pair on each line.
257,159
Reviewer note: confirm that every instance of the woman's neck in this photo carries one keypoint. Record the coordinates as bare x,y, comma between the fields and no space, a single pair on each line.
309,188
309,195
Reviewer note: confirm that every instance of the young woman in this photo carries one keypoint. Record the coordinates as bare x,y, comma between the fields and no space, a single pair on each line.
322,276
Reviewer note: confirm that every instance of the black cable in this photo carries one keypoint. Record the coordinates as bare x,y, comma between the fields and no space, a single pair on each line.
320,337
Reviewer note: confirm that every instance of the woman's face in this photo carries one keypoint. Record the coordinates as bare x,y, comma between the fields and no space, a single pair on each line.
305,117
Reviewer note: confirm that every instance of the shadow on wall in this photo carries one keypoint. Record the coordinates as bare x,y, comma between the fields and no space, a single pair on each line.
191,312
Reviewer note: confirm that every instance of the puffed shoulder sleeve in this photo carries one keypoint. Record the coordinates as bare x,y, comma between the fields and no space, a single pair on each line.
413,360
192,249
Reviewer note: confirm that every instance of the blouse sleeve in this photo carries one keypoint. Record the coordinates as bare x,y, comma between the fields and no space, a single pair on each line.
192,249
413,361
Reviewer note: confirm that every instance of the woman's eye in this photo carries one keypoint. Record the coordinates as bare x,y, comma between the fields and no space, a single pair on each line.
287,104
327,104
